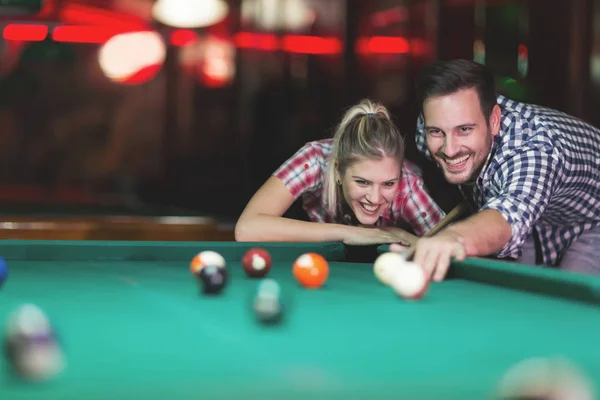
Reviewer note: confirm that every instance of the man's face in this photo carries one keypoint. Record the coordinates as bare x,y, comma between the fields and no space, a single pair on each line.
458,135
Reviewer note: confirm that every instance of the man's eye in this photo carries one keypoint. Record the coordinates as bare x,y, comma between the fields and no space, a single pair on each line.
435,132
389,184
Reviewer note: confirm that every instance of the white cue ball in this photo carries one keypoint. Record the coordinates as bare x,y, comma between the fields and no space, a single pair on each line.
386,265
410,281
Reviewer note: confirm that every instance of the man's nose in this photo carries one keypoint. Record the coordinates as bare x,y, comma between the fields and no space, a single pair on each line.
451,147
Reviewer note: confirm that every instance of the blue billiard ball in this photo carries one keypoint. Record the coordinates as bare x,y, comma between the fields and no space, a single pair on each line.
267,303
3,271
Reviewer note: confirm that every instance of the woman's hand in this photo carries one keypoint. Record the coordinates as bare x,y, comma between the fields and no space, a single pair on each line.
361,235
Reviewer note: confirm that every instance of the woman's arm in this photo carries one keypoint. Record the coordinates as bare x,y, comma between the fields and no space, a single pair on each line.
262,221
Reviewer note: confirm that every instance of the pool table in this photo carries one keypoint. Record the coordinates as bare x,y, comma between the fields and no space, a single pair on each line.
134,324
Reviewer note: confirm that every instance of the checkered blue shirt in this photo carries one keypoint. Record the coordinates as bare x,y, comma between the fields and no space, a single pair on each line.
543,172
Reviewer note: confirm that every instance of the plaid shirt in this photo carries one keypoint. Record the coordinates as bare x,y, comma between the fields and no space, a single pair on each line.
304,174
542,173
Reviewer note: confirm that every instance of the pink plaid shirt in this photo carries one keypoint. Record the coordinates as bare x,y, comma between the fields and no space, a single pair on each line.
304,175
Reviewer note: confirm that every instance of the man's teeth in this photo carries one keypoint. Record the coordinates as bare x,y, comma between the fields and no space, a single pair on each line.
458,160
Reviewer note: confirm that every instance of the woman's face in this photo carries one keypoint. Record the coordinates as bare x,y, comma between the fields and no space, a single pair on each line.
370,186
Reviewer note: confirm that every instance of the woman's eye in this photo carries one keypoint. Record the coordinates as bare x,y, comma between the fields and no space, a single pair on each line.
362,182
389,184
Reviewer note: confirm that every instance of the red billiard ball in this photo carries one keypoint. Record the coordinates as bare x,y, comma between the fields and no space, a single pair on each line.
256,263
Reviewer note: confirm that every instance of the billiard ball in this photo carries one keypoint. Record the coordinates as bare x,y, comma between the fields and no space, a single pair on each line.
205,258
386,266
213,279
544,379
311,270
409,281
3,271
267,303
256,263
30,345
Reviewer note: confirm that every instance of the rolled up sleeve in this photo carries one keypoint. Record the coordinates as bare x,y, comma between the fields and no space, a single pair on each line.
521,189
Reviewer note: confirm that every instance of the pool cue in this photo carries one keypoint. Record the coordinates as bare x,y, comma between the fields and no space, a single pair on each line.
451,217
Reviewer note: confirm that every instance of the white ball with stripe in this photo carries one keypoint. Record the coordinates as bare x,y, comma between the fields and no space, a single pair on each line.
386,266
212,258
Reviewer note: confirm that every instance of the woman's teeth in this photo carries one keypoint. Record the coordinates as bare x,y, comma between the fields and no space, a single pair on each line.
369,208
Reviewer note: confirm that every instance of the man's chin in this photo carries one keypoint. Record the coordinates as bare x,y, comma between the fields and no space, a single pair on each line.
456,178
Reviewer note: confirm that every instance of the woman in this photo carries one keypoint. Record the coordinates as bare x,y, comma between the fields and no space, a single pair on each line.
356,188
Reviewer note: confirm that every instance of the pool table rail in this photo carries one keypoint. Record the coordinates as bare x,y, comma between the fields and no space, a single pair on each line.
78,250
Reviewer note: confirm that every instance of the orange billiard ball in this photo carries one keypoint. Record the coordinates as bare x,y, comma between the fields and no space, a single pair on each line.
311,270
205,258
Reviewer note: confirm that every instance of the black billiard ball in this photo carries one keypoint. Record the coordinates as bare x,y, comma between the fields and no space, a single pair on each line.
213,279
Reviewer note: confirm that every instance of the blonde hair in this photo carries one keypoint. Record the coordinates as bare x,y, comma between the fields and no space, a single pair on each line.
365,132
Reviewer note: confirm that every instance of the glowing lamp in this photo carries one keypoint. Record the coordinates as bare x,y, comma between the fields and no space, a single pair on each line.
190,13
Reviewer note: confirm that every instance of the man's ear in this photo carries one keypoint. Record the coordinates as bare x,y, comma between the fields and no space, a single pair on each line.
495,120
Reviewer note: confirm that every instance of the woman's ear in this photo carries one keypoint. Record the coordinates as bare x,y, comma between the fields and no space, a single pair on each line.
338,178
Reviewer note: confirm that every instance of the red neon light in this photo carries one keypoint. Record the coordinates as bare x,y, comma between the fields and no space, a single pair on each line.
246,40
383,45
311,45
257,41
183,37
78,14
28,33
86,34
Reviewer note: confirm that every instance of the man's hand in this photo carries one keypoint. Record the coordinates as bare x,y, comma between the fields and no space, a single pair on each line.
435,254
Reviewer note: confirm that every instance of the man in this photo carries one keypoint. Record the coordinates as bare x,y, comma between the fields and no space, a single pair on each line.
532,173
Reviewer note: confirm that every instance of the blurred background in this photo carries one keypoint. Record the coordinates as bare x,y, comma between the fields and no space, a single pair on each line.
185,107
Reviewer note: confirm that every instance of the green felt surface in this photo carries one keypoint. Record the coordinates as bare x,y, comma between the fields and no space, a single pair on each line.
134,326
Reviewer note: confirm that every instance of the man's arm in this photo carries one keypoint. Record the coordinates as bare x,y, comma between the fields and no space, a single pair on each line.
522,189
486,232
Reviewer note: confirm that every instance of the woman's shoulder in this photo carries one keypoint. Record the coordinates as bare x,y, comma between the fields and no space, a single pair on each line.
411,171
322,147
316,151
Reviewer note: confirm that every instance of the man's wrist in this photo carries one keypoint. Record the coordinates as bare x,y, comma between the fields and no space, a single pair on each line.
451,232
